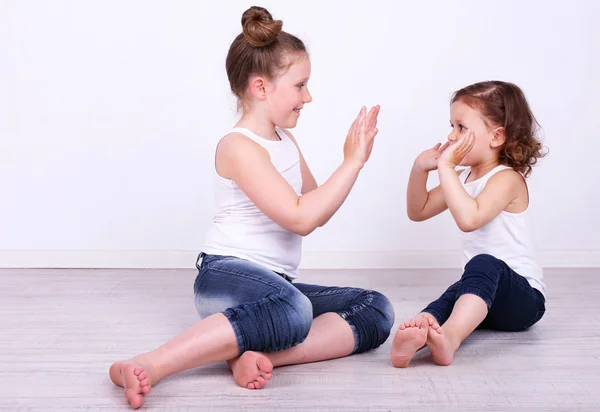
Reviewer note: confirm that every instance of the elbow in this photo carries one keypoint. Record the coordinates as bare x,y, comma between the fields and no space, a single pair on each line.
302,227
415,217
303,230
467,226
300,222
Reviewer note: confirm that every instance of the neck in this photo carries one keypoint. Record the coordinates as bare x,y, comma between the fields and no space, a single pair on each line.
481,169
259,126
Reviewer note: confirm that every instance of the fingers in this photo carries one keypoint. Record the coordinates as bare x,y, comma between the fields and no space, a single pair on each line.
463,145
354,127
443,147
471,141
362,124
466,143
372,117
362,117
370,120
362,113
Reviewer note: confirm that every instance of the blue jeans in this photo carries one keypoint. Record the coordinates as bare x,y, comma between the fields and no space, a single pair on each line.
270,313
513,305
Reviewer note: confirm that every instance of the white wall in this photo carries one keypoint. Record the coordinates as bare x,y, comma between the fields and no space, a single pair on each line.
110,111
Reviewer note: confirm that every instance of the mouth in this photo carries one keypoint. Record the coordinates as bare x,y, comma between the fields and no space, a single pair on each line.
297,110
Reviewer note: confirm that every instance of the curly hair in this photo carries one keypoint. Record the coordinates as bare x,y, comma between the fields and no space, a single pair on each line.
503,104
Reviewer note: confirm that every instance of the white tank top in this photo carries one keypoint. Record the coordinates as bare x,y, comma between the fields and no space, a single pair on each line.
508,237
242,230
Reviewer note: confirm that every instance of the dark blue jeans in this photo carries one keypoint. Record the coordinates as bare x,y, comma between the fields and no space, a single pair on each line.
269,313
513,305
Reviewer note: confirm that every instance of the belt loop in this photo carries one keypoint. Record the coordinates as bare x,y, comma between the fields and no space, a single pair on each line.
199,260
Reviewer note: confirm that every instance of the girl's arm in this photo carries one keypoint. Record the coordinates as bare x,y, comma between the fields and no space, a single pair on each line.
472,213
308,180
248,165
421,204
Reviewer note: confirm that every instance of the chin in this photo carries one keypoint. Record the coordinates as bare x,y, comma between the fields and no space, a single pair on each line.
289,124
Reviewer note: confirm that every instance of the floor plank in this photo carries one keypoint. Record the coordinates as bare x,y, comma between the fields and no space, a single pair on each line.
61,330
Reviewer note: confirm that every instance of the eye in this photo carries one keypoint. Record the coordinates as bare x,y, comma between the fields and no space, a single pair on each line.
301,85
462,127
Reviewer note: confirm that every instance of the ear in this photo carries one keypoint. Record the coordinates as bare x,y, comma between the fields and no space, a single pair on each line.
258,87
498,137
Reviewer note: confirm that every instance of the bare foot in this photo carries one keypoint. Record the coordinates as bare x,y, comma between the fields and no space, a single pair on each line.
410,337
131,376
251,370
441,346
425,315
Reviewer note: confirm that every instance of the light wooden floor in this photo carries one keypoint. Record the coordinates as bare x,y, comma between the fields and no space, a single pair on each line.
61,329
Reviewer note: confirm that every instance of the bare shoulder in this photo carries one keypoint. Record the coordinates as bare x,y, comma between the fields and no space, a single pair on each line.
513,184
508,178
234,144
236,153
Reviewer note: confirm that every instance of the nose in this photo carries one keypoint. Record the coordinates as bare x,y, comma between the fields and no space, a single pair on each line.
453,136
307,98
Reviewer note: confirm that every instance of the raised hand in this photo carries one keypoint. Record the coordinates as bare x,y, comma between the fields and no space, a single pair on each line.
427,161
454,154
360,138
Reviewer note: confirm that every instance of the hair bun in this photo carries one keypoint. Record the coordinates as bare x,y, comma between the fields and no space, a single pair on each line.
259,28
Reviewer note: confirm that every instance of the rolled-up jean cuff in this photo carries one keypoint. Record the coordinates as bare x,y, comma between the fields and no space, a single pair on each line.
239,336
477,292
354,332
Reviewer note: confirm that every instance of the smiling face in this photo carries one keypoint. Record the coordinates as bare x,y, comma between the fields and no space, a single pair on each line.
286,95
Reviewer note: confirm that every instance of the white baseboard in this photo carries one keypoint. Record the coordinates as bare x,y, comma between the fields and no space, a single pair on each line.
402,259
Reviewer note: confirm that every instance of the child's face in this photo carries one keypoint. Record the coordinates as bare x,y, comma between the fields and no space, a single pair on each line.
287,94
464,118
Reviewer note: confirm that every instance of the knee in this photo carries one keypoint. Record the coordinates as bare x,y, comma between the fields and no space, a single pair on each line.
290,317
372,319
274,323
483,265
299,318
482,260
385,310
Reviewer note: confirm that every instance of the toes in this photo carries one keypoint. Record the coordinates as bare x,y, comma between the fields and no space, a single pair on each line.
427,318
146,389
144,382
136,400
265,365
268,376
142,376
250,385
137,371
262,381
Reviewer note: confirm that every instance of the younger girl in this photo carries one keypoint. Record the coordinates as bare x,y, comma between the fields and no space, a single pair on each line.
493,134
255,316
